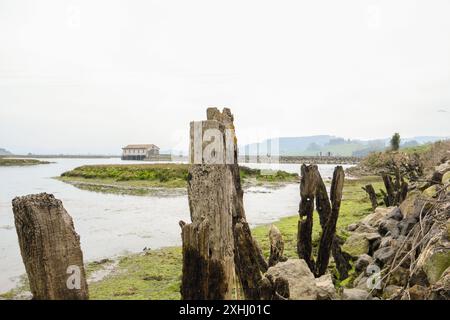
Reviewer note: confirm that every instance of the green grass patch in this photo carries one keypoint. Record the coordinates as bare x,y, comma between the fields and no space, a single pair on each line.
153,275
9,162
141,178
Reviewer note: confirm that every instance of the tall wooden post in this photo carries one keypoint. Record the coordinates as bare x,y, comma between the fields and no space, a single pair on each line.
215,194
308,185
50,248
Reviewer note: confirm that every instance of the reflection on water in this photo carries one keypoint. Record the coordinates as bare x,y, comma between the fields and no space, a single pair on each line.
110,224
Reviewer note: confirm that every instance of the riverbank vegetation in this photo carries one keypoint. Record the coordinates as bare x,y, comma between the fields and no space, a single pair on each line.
143,179
422,157
11,162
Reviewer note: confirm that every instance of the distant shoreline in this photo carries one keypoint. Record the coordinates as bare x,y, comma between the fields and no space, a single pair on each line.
13,162
242,159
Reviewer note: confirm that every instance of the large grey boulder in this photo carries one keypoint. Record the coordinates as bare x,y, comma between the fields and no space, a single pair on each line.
302,284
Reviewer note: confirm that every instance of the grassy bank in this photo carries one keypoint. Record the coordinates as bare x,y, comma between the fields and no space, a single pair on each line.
10,162
143,179
156,274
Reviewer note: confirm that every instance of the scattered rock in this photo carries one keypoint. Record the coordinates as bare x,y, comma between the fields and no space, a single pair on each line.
391,291
434,259
446,178
375,218
388,242
384,255
352,227
418,292
389,225
365,228
325,286
431,191
363,261
399,277
361,281
356,245
355,294
444,167
396,214
407,206
441,289
406,225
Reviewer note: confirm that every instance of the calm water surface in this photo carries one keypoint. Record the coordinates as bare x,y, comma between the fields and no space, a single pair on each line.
111,225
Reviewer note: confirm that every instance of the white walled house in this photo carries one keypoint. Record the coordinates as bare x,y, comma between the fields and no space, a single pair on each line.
139,151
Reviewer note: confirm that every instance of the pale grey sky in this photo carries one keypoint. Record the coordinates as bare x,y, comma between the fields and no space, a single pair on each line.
80,76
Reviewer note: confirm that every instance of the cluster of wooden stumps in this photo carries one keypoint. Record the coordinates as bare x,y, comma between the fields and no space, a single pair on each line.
221,260
396,189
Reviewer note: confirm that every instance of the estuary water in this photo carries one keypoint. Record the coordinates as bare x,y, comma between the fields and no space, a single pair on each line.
110,225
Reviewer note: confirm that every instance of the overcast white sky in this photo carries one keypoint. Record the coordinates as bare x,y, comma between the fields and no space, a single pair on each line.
92,76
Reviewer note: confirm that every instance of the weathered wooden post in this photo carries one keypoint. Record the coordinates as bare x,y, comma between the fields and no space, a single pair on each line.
372,195
276,246
312,185
224,249
50,248
308,185
329,228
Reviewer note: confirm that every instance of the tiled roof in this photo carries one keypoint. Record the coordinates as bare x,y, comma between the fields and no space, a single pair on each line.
140,146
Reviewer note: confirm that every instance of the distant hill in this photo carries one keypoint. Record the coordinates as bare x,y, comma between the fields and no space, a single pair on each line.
327,144
4,152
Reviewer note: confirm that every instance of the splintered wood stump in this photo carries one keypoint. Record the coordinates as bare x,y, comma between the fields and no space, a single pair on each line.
372,195
328,215
50,248
276,246
389,196
329,229
342,259
215,195
209,190
196,269
308,185
247,261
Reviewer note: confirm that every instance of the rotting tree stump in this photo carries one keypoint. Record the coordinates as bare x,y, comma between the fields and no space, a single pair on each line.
216,197
50,248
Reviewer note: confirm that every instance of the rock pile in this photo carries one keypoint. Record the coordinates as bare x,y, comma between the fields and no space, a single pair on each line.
404,252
